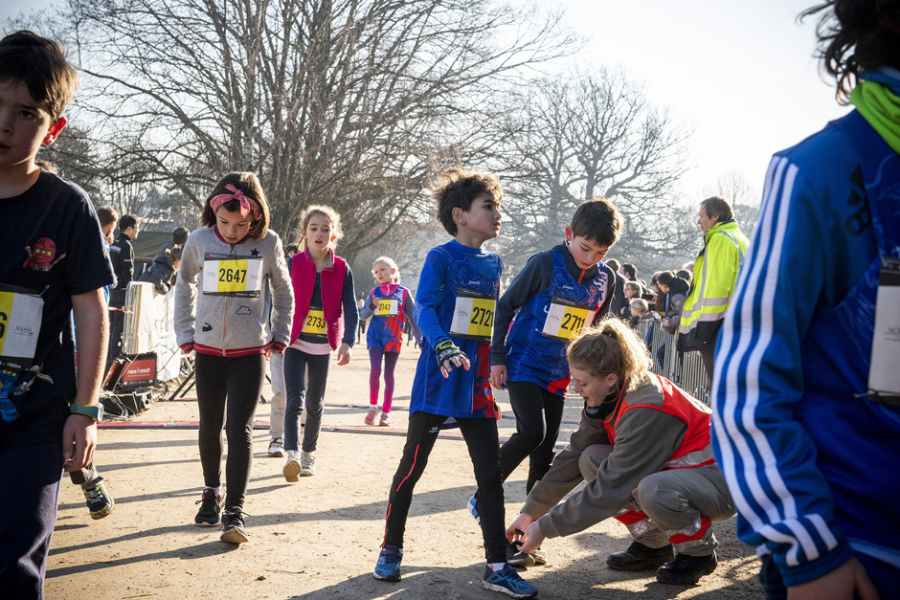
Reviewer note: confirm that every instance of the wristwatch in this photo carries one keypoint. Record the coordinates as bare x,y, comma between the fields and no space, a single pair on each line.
94,411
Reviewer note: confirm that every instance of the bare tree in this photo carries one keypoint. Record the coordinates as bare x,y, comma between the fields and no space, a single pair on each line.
583,135
74,156
342,102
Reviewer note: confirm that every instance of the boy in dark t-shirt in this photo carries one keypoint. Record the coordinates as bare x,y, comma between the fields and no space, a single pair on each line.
53,266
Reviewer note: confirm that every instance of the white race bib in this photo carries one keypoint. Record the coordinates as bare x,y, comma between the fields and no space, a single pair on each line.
387,307
21,312
884,376
473,316
225,275
566,320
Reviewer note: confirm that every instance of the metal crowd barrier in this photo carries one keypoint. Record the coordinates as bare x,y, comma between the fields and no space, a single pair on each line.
685,369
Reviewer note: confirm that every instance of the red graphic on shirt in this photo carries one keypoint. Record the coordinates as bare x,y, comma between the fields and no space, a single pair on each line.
483,397
40,258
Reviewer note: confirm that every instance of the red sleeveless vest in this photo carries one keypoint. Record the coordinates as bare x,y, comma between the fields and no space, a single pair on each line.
695,449
303,279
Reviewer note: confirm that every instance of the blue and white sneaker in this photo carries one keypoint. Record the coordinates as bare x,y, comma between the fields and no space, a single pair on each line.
507,580
472,506
388,566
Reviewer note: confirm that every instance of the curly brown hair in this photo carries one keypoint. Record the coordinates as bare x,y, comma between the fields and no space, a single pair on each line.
249,184
855,35
457,188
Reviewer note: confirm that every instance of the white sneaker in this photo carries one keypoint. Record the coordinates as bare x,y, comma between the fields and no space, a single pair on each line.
292,467
307,464
276,447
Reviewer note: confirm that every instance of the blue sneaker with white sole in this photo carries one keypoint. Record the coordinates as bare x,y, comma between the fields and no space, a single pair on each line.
388,566
507,581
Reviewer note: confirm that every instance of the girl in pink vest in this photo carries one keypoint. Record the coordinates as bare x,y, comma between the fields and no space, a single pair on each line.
325,319
390,306
643,446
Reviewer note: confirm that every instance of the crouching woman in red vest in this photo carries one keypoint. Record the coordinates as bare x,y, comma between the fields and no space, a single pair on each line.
643,447
325,319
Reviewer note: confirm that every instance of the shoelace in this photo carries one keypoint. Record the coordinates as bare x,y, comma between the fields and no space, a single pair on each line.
94,494
390,559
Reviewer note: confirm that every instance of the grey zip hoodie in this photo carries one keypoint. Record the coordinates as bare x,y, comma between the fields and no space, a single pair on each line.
232,325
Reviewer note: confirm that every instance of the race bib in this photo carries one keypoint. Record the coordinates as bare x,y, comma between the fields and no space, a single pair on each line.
566,320
226,275
21,311
884,376
387,307
473,316
314,324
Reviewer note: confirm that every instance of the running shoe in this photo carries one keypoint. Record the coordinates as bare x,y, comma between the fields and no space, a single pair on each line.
99,502
522,559
385,420
292,467
276,447
233,531
307,464
210,513
388,566
507,581
370,416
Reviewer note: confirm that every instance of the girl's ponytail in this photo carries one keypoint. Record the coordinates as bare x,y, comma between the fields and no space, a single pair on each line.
612,347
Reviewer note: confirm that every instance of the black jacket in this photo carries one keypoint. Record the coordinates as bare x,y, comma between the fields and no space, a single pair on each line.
160,274
121,255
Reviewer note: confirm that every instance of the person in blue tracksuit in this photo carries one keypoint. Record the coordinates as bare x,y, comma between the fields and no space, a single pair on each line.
455,305
809,452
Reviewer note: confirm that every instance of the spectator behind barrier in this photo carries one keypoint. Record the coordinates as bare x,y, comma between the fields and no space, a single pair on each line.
715,275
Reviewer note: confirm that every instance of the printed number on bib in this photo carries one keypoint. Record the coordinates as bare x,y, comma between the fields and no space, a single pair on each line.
566,320
21,311
387,308
227,275
314,324
473,316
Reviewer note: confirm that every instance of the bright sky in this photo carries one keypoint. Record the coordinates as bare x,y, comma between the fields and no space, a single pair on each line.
740,73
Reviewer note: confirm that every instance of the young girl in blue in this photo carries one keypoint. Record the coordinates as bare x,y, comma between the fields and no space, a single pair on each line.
389,306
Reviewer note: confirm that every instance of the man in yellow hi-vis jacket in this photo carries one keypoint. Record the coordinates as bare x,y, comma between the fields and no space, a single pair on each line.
715,275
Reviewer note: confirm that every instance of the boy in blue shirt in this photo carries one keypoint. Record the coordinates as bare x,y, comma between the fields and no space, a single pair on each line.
557,294
53,267
455,305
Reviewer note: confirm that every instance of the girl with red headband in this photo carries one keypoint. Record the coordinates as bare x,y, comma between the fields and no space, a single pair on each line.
229,269
325,319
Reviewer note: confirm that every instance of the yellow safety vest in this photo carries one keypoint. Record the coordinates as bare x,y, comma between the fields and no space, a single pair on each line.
715,275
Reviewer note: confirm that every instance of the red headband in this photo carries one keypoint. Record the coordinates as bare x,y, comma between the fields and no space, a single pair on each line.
247,204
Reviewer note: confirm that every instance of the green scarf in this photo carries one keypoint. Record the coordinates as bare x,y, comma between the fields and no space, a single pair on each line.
881,108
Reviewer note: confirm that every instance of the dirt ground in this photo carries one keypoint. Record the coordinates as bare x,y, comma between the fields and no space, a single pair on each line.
319,539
